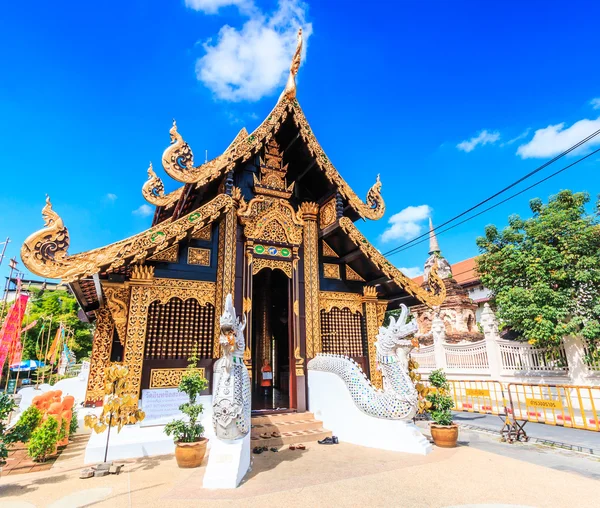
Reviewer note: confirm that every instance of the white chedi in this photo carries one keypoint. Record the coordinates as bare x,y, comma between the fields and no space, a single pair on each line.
231,394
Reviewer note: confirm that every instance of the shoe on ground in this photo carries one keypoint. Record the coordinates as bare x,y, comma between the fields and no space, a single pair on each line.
327,441
335,440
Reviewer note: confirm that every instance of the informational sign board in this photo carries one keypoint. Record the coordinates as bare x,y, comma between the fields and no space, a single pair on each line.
477,392
544,403
161,406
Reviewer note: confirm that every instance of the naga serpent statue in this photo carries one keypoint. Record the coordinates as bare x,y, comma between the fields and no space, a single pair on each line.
231,399
399,399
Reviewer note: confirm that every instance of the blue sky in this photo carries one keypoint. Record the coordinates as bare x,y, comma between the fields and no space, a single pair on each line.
448,101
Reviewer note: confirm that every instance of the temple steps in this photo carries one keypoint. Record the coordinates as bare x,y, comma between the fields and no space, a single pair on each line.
295,428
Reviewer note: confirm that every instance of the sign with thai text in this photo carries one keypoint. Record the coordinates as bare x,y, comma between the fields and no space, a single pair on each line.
161,406
544,403
477,392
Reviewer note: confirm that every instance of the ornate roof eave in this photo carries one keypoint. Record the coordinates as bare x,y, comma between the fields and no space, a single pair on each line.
178,158
154,191
432,299
45,252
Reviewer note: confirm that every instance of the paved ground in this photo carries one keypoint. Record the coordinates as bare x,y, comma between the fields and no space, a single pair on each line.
583,440
477,472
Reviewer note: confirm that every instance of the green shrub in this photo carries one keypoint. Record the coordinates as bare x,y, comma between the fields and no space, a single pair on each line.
28,422
74,423
7,406
440,400
63,430
43,440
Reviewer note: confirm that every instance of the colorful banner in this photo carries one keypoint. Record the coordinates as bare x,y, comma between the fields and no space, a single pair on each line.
51,356
17,352
29,326
11,329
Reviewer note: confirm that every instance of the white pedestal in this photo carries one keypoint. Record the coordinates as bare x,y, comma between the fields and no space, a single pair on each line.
330,401
228,463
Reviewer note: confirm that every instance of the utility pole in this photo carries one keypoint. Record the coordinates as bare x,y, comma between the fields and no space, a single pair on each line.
12,264
6,242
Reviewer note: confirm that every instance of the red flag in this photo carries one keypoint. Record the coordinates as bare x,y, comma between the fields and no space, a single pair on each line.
17,352
11,327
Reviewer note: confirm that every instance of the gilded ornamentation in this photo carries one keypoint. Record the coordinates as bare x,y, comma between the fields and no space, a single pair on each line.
330,299
328,214
162,290
372,325
429,298
169,255
101,349
142,274
198,256
331,271
273,264
328,251
178,159
272,180
169,378
45,252
311,279
299,362
290,88
117,300
202,234
271,220
247,306
352,275
154,191
296,307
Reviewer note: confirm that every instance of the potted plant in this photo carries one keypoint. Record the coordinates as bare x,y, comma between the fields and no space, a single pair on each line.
190,445
443,431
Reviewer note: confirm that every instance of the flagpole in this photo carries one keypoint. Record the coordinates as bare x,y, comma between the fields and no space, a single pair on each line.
47,346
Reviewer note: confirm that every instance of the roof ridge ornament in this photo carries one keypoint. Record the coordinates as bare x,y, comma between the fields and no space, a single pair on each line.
153,191
290,88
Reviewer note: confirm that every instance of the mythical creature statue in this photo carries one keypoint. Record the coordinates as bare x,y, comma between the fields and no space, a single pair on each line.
231,398
399,399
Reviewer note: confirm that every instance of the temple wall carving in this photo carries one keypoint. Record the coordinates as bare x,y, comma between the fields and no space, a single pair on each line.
101,349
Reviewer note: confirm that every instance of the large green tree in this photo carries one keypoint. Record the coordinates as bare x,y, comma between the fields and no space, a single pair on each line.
545,271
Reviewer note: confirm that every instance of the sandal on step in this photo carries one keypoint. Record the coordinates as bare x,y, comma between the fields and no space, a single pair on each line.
300,447
265,435
257,450
273,449
275,434
292,447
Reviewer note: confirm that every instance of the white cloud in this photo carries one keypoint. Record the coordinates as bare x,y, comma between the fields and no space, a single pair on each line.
143,211
404,224
483,138
555,139
111,197
412,272
523,135
212,6
595,103
253,61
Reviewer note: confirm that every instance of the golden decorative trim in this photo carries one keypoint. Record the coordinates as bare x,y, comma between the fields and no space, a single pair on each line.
117,300
101,349
45,252
369,293
142,274
170,255
272,179
202,234
162,290
271,220
197,256
331,271
328,251
328,214
299,362
154,191
274,264
430,298
309,211
290,88
311,281
330,299
372,326
296,307
352,275
169,378
247,305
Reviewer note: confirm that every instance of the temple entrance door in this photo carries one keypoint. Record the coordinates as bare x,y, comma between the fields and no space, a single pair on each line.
271,341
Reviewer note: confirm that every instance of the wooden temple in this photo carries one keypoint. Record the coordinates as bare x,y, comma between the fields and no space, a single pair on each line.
270,220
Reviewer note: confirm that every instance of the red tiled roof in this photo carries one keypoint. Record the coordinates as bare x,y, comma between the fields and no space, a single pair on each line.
463,272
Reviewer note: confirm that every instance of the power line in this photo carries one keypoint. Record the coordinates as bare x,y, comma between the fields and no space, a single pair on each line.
408,245
528,175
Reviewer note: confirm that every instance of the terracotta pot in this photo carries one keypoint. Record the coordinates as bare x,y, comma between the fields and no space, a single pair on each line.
190,454
444,436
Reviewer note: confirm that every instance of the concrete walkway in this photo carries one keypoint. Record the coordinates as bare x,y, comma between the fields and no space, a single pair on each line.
342,475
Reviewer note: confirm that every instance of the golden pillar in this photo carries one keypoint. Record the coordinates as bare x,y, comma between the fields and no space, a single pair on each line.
101,349
247,304
311,279
374,314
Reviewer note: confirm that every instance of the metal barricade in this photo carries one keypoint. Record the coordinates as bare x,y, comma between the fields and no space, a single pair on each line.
566,405
478,396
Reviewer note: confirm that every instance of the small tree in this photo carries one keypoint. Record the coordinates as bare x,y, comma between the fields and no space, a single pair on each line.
544,271
7,406
43,440
119,407
29,420
440,401
192,384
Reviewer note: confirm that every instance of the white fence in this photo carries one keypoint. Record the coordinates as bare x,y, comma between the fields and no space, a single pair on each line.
508,361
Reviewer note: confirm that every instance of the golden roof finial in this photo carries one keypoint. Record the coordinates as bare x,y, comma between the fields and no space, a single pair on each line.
290,88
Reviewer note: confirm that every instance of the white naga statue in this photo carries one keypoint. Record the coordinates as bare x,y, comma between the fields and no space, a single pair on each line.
399,399
231,397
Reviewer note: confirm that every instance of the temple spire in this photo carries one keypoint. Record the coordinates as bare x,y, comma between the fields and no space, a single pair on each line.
433,243
290,88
